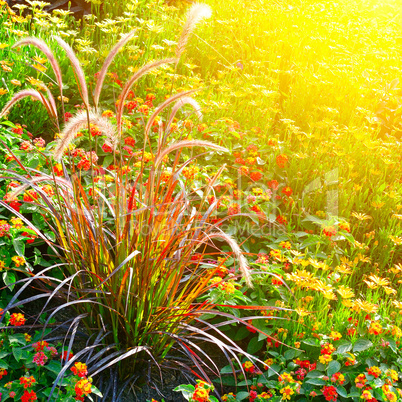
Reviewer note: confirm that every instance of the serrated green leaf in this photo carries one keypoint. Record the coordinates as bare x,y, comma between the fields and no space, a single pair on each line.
186,390
333,367
19,247
311,342
17,353
241,333
341,391
344,347
254,345
244,383
361,345
96,391
3,364
378,382
17,338
242,395
274,370
227,370
315,374
54,366
392,344
9,279
316,381
289,354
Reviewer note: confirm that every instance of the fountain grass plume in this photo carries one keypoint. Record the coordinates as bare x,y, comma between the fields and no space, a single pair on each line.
77,123
195,14
77,68
50,106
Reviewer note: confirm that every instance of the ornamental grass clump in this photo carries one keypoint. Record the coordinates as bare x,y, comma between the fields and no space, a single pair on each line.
129,232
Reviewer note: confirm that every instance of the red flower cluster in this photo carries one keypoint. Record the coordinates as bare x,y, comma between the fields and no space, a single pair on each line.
27,381
82,389
282,161
17,319
39,346
306,364
287,191
40,359
234,209
28,396
273,184
330,393
327,349
4,229
107,148
30,196
281,220
80,369
277,281
3,372
329,231
255,176
64,356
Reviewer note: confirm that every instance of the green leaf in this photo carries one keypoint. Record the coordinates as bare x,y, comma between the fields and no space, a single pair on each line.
51,236
96,391
354,394
344,347
227,381
316,381
54,366
244,383
274,370
242,395
371,362
107,161
254,345
17,353
16,338
242,333
333,367
392,344
378,382
227,370
311,342
28,208
291,354
273,354
19,247
268,383
9,279
341,391
362,344
3,364
186,390
33,163
315,374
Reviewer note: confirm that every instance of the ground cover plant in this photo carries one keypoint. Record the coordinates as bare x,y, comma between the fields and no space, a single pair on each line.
305,96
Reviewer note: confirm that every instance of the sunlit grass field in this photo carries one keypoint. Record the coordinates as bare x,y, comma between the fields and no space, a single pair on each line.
306,96
323,78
